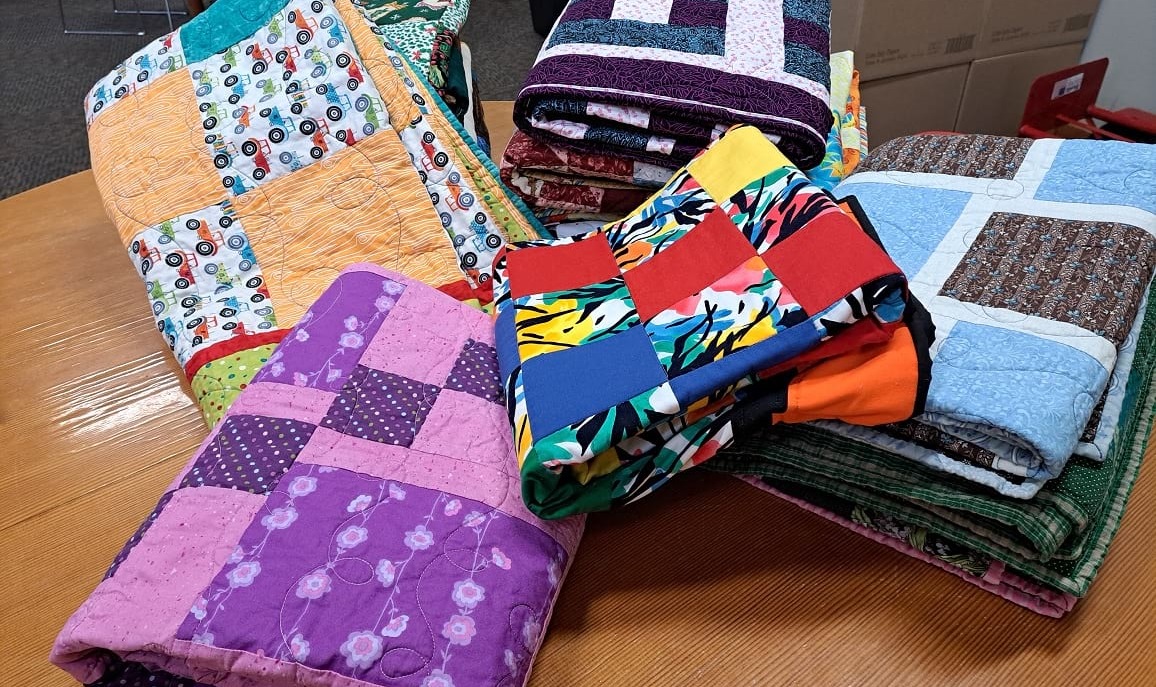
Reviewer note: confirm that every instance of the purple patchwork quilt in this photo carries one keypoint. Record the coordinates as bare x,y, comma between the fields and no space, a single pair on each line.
354,520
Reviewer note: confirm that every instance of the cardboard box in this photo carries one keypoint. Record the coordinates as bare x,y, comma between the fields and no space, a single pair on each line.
909,104
997,88
1021,25
893,37
845,16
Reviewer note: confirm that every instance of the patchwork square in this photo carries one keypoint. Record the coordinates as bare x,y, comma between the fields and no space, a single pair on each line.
598,375
381,406
1090,274
328,342
744,307
561,266
704,254
249,452
377,580
476,372
559,320
286,97
980,157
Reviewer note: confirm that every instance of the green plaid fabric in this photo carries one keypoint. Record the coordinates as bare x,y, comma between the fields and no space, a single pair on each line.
1058,538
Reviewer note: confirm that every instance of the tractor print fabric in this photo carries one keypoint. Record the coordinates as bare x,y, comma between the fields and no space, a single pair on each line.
622,350
268,144
302,76
313,540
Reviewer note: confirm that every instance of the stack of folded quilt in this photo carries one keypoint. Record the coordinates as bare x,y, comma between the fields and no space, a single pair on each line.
739,295
623,93
1035,260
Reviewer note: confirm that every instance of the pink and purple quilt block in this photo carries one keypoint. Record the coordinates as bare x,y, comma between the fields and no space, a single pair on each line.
355,519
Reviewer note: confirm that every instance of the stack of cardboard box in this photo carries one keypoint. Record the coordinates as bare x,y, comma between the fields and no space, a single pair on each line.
955,65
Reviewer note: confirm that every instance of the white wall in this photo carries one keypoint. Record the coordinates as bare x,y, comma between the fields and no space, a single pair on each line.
1125,32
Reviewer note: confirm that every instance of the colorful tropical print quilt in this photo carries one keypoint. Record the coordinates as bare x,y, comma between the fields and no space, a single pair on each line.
622,351
659,81
353,520
248,157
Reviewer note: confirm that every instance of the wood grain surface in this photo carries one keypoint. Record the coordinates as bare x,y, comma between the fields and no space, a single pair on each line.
709,582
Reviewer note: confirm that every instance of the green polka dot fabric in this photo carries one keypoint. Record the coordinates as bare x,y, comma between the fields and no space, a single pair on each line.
218,382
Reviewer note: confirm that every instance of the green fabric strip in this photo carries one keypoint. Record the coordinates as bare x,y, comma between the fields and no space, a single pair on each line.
224,24
1058,539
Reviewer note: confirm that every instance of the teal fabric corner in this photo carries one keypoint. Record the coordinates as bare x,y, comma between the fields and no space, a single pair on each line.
224,24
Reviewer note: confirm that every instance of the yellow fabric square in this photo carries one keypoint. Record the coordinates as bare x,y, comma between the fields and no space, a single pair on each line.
363,204
737,159
149,156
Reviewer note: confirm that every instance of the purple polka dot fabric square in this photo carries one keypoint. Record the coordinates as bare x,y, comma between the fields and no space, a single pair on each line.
250,452
476,372
381,406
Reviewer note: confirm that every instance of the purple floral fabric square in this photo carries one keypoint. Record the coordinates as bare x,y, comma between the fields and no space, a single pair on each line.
381,406
324,347
381,581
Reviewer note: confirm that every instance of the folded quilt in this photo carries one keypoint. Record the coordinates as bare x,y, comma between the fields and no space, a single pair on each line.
248,157
353,520
967,564
1033,258
623,350
552,179
1058,539
659,82
425,31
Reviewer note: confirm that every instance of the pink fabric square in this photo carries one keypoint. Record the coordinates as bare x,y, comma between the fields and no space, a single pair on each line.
423,338
154,588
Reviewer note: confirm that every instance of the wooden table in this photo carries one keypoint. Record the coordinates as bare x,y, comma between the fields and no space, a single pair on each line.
709,582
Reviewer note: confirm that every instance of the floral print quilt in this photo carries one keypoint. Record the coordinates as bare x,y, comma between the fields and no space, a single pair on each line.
353,520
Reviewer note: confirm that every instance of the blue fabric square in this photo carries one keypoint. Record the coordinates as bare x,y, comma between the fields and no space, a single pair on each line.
1102,172
702,382
979,371
573,384
506,341
911,221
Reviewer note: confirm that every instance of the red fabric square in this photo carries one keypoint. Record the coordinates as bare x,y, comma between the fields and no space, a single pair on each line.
828,259
709,251
560,267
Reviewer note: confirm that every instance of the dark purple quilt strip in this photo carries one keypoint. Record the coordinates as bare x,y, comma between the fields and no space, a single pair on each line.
121,673
698,13
710,92
807,33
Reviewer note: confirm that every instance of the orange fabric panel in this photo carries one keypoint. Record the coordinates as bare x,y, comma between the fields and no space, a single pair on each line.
150,168
363,204
872,386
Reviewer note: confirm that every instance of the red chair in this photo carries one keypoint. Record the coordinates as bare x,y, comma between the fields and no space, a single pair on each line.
1068,97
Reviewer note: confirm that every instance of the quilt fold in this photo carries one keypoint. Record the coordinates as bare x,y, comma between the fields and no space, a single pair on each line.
353,520
1033,258
248,157
635,351
659,82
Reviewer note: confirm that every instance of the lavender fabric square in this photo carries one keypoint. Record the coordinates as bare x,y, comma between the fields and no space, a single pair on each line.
384,582
250,452
381,406
476,372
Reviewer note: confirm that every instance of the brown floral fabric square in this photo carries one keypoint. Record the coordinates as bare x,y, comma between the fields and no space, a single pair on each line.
981,157
1090,274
